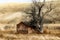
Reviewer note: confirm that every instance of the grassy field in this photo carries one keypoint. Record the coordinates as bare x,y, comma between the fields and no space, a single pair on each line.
51,32
10,15
29,37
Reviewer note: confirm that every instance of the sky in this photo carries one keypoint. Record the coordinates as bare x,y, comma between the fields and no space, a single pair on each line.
20,1
9,1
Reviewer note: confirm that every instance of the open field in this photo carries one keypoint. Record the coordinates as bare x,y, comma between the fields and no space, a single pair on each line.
11,15
28,37
51,32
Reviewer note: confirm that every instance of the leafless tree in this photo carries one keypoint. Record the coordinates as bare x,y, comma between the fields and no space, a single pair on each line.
37,13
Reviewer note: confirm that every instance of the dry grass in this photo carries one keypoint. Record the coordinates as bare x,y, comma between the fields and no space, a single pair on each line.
12,7
51,32
28,37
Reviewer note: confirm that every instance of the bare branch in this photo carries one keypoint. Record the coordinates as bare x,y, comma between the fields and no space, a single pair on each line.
38,15
49,9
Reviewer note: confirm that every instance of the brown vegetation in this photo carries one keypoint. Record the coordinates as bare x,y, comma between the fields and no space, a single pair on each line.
22,28
51,31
